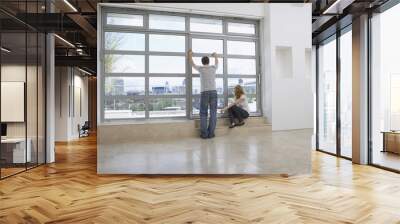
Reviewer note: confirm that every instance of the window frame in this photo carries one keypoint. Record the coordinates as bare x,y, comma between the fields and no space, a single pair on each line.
189,96
337,38
256,28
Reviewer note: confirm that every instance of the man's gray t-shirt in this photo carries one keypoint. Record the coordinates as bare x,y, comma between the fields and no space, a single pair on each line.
207,77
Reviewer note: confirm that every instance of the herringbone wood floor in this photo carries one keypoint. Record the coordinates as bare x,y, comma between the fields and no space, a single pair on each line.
69,191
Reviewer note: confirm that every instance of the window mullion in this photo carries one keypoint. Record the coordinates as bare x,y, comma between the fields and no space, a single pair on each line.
146,99
225,65
188,45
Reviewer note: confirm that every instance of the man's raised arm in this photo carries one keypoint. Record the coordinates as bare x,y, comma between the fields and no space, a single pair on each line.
215,58
190,55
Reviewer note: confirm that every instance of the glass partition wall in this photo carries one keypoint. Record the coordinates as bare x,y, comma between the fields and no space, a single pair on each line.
146,72
346,94
22,77
327,96
385,89
334,85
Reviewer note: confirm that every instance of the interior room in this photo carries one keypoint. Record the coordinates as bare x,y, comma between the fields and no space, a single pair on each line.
157,111
159,91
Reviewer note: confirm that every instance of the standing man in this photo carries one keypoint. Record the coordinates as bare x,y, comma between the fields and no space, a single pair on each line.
209,95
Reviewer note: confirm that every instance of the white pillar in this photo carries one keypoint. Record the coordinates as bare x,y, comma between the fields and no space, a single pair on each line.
50,99
360,90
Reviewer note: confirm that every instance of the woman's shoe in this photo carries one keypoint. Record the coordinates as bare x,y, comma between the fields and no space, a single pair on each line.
232,125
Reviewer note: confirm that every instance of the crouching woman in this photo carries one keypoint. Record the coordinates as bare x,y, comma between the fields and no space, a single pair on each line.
238,109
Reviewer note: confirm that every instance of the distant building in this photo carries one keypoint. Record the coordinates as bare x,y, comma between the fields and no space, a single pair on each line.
249,87
159,90
117,87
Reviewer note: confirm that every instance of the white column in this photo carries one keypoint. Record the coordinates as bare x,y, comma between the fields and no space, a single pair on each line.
360,90
50,99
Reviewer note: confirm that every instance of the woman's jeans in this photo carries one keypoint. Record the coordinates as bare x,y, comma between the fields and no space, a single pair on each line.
208,98
238,113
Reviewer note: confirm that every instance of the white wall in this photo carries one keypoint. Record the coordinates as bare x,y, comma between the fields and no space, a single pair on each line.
289,27
69,82
287,103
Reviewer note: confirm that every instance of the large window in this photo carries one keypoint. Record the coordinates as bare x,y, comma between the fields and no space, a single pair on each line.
327,96
146,73
385,89
335,94
346,75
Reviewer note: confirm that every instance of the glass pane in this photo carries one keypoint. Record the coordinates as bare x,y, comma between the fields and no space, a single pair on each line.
385,89
32,100
118,63
167,64
346,94
205,25
124,19
196,89
241,48
167,107
124,41
124,86
196,105
220,70
163,22
42,99
250,88
241,28
13,86
327,97
241,66
207,46
394,101
167,43
249,85
123,107
167,85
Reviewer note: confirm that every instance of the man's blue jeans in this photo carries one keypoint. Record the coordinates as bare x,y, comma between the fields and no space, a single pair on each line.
208,98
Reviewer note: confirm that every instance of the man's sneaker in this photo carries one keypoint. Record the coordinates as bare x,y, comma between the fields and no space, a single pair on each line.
232,125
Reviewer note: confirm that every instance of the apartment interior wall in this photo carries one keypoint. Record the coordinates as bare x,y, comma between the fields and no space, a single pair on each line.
290,47
71,102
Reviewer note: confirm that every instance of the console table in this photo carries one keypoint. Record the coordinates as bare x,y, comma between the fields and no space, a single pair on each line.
391,141
13,150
